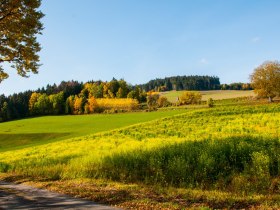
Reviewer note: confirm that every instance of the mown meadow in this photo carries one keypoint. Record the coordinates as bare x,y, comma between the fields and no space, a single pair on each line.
230,148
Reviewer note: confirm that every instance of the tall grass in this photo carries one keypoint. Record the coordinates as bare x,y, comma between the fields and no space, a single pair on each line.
235,163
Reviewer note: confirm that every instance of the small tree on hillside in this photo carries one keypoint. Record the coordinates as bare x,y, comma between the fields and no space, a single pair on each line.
152,100
190,97
266,80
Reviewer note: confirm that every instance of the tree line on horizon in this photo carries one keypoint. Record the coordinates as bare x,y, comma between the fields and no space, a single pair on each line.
192,83
182,83
73,97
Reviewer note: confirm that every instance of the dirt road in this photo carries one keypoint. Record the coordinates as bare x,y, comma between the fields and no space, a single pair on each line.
18,196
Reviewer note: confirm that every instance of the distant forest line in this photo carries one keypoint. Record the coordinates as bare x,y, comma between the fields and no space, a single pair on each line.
73,97
191,83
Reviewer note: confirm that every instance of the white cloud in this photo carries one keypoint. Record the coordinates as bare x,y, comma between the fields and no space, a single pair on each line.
255,39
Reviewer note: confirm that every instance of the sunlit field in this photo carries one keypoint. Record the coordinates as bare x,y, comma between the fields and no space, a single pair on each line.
172,96
41,130
229,149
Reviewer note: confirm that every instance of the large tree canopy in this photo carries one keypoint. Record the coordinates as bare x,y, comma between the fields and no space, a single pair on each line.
19,25
266,79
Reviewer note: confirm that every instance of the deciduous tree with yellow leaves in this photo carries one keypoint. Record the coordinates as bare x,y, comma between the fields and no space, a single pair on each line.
266,80
19,25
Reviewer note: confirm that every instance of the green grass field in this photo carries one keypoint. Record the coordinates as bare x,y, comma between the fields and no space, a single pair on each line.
35,131
208,156
172,96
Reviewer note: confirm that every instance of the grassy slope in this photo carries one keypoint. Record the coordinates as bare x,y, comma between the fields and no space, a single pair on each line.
130,155
215,94
35,131
74,160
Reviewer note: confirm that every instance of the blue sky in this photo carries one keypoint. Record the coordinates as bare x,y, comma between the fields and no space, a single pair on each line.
139,40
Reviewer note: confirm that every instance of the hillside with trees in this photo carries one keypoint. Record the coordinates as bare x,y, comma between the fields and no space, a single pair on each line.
73,97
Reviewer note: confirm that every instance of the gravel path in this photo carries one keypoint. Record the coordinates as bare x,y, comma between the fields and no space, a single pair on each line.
19,196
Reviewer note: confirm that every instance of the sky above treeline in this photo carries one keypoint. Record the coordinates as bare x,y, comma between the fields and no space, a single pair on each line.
140,40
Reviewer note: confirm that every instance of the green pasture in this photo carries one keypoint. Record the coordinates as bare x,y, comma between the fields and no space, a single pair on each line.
172,96
34,131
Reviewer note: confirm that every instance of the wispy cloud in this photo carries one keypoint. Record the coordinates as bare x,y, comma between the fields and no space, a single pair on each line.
203,61
255,39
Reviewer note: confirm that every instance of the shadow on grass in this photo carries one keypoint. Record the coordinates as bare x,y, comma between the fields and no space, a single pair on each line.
245,164
23,140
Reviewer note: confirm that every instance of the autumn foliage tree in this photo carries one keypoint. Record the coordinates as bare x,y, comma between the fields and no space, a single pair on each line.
69,105
92,105
79,104
42,104
266,80
32,101
19,25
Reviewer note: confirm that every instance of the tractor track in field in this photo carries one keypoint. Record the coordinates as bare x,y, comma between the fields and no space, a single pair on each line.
19,196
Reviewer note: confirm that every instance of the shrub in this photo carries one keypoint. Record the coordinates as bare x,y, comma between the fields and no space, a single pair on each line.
210,102
162,101
152,101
